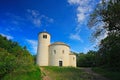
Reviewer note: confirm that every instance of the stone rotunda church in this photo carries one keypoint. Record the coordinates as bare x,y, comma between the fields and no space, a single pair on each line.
55,54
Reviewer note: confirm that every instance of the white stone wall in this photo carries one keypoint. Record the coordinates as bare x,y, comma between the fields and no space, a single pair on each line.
59,53
72,60
52,54
42,51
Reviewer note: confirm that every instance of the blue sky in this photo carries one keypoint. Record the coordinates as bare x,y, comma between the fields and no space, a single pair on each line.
65,20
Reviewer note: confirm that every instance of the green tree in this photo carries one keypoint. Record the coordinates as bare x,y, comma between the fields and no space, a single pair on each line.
7,62
13,57
109,52
106,18
86,60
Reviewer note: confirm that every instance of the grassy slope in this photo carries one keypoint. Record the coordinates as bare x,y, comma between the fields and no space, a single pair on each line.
16,63
66,73
109,74
33,74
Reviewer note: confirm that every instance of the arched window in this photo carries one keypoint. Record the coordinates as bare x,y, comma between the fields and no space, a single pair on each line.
63,51
54,51
73,58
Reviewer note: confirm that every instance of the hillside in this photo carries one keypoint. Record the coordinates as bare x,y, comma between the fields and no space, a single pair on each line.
69,73
16,62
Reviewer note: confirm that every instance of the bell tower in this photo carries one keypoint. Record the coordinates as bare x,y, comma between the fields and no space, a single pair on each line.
43,51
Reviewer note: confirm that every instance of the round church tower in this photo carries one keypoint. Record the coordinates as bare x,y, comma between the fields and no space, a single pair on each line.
43,51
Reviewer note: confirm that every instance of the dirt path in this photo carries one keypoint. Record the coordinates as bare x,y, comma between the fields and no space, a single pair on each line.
44,74
96,76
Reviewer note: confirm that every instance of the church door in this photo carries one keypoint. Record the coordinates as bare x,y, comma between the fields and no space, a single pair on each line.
60,63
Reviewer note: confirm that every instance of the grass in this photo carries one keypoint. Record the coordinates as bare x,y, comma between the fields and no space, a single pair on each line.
33,73
66,73
112,75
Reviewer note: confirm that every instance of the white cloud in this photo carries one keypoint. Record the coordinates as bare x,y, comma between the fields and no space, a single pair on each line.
50,20
84,8
33,45
36,18
100,28
96,43
34,13
37,22
76,37
80,17
7,36
101,1
18,22
74,1
103,36
13,28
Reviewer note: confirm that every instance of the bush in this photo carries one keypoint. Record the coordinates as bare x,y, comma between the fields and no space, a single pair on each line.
7,62
28,73
14,59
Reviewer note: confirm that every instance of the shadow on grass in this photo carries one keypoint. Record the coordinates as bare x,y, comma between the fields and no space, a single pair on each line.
112,75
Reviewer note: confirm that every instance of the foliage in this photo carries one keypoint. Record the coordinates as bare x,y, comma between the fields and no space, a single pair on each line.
109,53
34,57
86,60
66,73
106,19
7,62
33,73
15,60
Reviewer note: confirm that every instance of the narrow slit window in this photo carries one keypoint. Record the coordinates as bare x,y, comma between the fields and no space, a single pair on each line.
45,36
54,51
63,51
73,58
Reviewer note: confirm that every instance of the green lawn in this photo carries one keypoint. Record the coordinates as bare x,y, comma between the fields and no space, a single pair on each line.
33,73
112,75
66,73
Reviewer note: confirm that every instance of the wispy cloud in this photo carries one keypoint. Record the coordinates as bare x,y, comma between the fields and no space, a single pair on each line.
36,18
86,49
17,22
84,8
7,36
15,19
13,22
76,37
99,32
96,43
33,45
14,28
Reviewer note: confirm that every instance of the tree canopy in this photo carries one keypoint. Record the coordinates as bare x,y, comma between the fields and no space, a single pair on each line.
13,57
106,19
